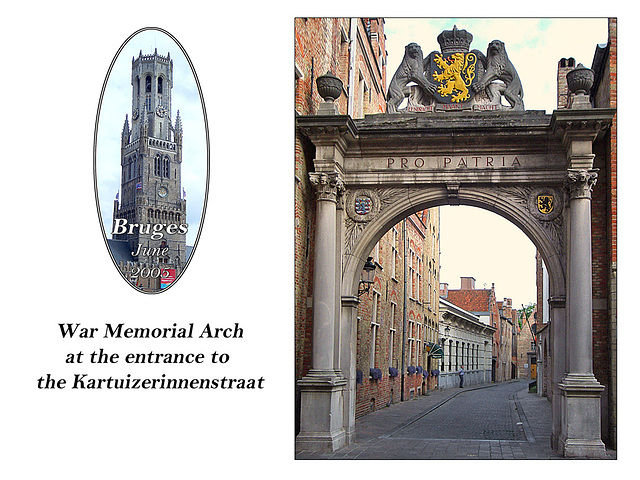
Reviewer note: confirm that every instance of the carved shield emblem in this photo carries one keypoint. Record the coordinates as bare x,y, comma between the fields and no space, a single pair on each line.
362,205
545,204
454,73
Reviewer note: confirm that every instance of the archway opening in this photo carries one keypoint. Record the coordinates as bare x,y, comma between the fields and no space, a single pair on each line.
403,350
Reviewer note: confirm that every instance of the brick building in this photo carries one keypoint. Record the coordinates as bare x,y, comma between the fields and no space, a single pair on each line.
526,352
397,333
483,304
507,342
353,49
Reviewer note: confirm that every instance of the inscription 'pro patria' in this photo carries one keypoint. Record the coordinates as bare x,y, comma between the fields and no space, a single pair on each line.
455,161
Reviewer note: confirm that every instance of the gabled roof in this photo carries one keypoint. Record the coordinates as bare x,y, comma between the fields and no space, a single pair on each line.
475,301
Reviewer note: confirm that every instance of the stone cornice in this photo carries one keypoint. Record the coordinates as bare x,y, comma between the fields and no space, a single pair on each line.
590,123
321,129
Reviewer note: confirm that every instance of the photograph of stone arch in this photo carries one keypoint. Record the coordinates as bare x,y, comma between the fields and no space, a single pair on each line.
400,125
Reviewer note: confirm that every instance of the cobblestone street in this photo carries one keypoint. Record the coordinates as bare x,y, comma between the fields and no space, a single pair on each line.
496,421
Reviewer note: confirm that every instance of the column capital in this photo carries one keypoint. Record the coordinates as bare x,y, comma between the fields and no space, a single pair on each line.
581,182
328,186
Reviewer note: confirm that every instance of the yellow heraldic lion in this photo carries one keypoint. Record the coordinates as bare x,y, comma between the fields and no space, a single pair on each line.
450,79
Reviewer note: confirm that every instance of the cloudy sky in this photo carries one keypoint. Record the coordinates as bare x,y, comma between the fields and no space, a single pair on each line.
116,103
475,242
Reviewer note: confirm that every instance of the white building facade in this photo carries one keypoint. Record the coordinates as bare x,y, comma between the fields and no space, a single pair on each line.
466,342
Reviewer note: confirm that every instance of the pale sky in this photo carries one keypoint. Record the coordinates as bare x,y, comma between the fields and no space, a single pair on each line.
474,242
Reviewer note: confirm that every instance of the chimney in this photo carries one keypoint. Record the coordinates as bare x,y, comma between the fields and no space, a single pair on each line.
467,283
444,290
565,65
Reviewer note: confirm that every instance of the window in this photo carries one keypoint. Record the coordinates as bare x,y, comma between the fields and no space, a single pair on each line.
392,335
419,279
160,85
374,328
147,84
394,251
165,167
161,166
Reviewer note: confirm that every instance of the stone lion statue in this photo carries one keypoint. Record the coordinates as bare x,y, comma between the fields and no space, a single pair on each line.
411,69
499,67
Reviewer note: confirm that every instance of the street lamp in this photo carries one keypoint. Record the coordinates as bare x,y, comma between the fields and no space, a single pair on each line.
366,277
447,329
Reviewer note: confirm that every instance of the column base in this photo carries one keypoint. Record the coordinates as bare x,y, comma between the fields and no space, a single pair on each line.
581,431
571,448
321,412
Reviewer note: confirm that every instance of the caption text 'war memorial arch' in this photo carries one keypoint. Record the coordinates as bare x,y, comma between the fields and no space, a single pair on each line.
464,138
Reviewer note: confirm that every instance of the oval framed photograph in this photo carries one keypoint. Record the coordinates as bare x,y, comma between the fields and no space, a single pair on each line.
151,150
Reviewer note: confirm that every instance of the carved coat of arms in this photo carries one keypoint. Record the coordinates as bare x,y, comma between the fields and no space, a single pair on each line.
454,73
456,78
362,205
545,203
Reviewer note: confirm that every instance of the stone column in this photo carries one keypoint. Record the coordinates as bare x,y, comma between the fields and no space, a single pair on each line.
581,435
322,389
558,364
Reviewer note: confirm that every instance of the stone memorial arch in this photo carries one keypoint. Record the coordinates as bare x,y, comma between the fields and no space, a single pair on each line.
532,168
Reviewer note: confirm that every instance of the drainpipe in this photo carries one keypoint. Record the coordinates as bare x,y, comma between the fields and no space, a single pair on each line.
353,33
404,309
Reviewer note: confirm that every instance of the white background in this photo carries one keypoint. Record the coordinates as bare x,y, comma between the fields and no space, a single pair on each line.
56,269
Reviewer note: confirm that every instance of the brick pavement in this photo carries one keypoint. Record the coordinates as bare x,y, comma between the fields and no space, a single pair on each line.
419,429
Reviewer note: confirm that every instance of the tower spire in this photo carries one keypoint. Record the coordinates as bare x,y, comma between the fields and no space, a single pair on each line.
178,129
125,131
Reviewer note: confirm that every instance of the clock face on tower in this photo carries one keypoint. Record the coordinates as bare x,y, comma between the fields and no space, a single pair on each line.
163,192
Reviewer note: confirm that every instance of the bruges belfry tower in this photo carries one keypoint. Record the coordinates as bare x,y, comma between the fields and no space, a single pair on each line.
151,159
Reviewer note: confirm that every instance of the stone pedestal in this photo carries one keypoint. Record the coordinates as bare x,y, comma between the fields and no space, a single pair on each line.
581,435
321,407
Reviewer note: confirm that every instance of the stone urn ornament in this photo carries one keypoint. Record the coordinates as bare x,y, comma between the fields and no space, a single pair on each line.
329,87
580,80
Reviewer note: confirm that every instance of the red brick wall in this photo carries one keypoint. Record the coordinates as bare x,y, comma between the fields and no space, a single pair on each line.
604,226
322,44
374,394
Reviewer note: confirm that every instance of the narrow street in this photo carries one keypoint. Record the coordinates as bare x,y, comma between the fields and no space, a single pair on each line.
496,421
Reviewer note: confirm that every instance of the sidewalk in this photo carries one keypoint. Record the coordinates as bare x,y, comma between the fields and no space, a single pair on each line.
379,435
